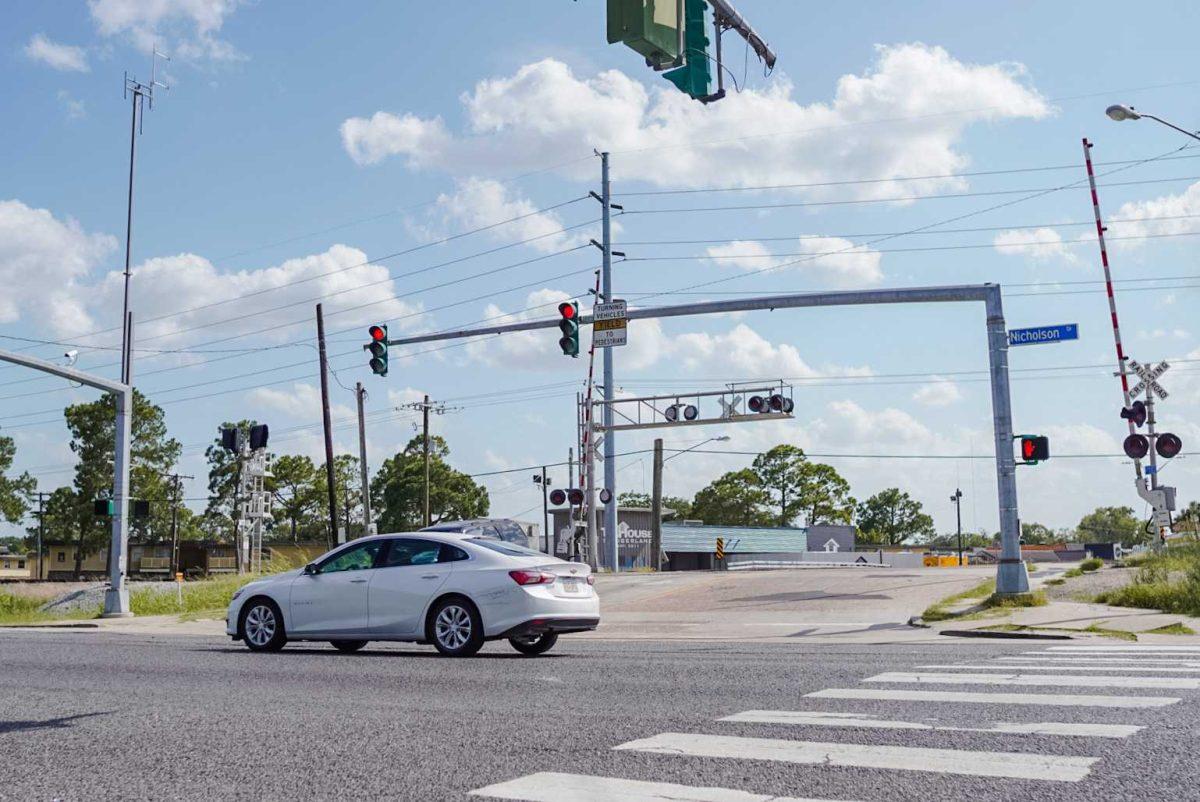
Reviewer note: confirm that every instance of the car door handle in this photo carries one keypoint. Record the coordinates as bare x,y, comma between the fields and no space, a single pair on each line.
430,576
357,581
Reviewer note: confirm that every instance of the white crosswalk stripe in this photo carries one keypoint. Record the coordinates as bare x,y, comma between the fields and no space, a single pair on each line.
1139,648
1073,667
819,718
1017,765
550,786
1089,660
1063,680
968,697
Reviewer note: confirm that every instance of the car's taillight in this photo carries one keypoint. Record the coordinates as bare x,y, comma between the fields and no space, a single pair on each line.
531,577
591,579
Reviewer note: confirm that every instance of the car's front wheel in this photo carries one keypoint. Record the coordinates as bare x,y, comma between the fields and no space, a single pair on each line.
262,626
455,628
533,645
347,645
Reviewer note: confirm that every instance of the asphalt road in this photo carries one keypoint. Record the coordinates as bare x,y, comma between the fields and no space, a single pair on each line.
92,715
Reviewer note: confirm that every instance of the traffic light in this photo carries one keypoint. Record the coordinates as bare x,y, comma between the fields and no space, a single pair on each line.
558,497
650,27
1035,448
258,436
378,348
1135,412
569,326
1136,446
757,404
140,508
1167,445
694,77
103,506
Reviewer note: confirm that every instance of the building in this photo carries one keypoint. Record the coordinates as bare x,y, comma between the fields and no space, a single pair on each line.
15,566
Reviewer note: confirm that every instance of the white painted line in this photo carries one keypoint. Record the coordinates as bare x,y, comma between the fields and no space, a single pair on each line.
1064,680
1060,667
1088,660
1147,649
552,786
1020,765
818,718
1058,699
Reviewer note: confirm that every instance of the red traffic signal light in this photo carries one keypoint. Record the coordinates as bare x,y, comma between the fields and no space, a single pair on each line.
1136,446
377,333
1135,412
757,403
567,310
1167,445
1035,448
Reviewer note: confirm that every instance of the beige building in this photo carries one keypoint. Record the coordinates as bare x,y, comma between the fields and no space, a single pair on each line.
17,566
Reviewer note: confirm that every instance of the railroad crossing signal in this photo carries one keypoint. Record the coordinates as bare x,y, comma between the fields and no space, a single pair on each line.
1034,449
378,348
1149,378
1135,412
569,326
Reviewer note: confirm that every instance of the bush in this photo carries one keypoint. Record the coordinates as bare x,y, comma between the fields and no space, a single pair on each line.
1169,581
17,607
1091,564
209,595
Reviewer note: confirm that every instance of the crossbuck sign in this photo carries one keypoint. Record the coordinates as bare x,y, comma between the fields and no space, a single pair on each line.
1149,378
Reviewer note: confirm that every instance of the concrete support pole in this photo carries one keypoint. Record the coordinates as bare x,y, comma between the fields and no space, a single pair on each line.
656,508
1011,575
610,446
360,394
116,598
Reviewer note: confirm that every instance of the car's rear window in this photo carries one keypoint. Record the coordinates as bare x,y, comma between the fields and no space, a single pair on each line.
511,549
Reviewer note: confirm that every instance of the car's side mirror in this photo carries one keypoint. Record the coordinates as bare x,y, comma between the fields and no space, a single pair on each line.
310,569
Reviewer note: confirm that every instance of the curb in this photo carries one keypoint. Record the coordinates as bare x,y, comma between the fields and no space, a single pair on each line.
983,633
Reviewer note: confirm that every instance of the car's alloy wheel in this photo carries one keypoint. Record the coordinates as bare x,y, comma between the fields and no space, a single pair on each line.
456,629
262,627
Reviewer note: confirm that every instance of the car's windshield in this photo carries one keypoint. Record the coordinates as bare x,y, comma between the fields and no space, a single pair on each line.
511,549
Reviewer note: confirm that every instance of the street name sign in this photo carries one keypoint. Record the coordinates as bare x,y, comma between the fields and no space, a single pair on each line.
610,324
1044,334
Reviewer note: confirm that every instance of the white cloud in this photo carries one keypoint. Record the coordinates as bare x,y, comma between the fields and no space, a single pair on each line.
1160,334
1184,208
742,352
73,108
480,202
65,58
543,113
43,262
1037,245
830,261
186,29
301,401
939,392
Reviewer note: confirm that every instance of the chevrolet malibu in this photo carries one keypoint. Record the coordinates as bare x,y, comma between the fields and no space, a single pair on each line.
451,591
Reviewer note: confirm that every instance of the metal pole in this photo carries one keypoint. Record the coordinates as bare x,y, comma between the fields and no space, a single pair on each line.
656,507
41,531
174,524
590,498
360,394
116,597
545,513
425,411
1153,469
1112,301
330,481
1011,576
610,447
958,514
126,335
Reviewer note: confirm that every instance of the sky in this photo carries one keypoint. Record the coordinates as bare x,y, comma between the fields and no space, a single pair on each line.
432,171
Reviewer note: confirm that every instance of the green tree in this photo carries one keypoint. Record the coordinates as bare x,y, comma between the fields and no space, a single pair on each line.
14,492
1188,520
397,491
891,517
825,496
347,484
782,472
680,508
298,495
1111,525
628,499
1035,534
734,499
152,455
949,541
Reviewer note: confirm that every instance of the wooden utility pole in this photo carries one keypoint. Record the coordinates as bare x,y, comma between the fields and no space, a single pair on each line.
175,499
330,482
41,535
425,416
656,507
360,395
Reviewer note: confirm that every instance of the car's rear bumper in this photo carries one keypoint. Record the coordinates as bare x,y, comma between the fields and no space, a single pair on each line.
539,626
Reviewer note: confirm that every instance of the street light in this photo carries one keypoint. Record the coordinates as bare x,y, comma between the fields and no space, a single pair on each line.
1120,113
957,499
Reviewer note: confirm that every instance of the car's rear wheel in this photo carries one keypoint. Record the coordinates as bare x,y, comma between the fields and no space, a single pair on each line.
533,645
455,628
347,645
262,626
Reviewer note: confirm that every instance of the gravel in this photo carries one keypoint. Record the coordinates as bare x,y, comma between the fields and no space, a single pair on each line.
1092,583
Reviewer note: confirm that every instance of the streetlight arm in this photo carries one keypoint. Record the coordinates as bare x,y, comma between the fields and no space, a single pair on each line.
1171,125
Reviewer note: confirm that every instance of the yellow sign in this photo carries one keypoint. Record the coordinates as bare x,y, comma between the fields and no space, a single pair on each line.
610,325
178,576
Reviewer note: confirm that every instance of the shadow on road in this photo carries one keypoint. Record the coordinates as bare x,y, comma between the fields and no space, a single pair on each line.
63,722
333,653
809,595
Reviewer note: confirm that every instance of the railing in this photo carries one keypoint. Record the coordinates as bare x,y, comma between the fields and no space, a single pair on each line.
154,564
222,563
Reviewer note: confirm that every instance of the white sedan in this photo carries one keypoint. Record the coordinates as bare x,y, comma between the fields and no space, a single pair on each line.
452,591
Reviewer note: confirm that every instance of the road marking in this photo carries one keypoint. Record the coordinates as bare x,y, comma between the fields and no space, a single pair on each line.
1059,699
1066,680
1088,660
1024,667
822,719
552,786
1020,765
1187,650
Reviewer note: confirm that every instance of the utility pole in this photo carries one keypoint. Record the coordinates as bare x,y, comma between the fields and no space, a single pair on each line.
545,510
138,94
957,499
175,499
610,448
41,534
361,394
426,406
425,418
656,507
330,482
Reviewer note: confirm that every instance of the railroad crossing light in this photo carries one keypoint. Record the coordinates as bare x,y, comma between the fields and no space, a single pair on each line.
569,326
378,348
1035,448
605,495
1136,446
1167,445
757,403
779,403
558,497
671,413
690,412
1135,412
575,496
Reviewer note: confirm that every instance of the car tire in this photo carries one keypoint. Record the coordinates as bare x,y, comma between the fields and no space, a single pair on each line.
261,626
347,646
455,628
533,645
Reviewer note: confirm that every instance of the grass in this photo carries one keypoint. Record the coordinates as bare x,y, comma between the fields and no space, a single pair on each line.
1094,629
1168,580
1058,580
1035,599
17,609
1091,564
1178,628
939,611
